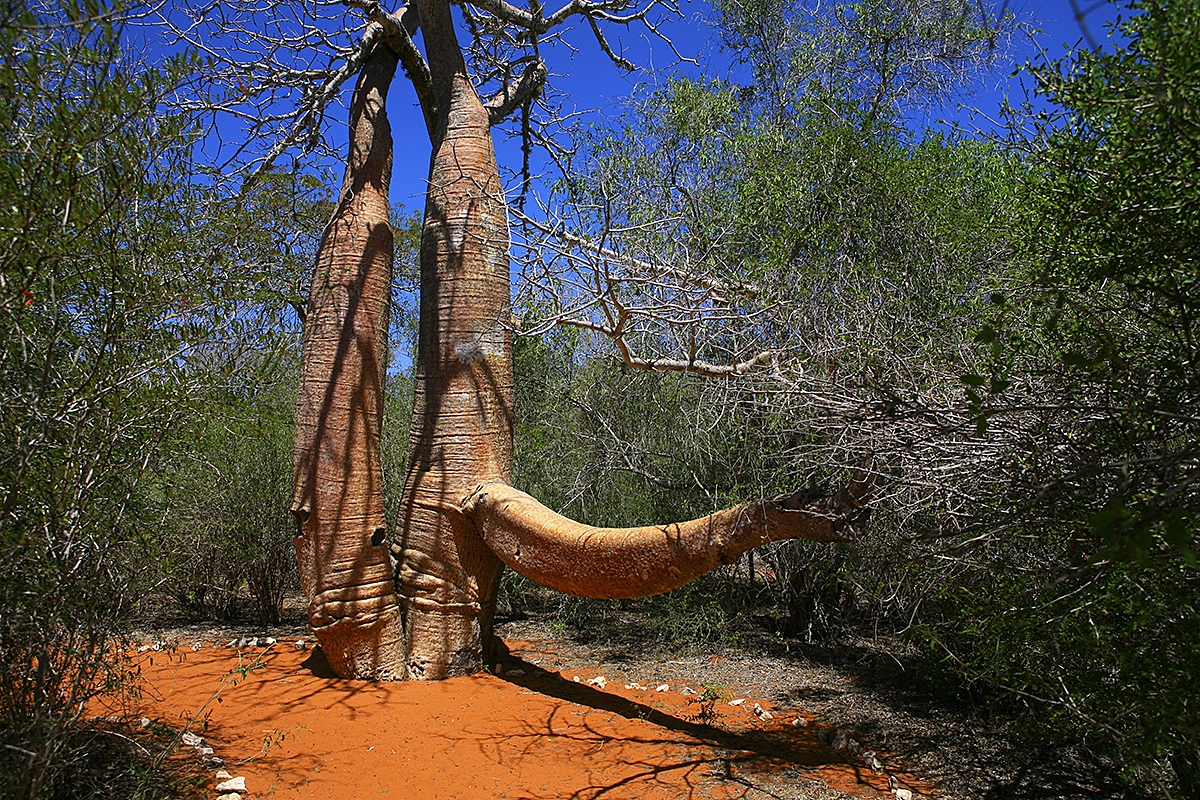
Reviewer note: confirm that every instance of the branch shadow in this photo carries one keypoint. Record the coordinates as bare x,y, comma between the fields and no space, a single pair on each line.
739,757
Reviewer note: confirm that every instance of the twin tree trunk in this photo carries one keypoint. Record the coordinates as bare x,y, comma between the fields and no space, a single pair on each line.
460,521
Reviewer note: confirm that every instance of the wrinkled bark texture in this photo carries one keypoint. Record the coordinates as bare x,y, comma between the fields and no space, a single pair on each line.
462,418
458,517
345,567
612,563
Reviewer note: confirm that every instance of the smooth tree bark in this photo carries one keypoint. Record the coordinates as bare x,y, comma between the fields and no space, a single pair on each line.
345,564
617,563
461,431
460,521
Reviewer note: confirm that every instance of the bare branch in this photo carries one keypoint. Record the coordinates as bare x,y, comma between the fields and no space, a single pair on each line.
306,121
510,98
398,30
619,60
639,266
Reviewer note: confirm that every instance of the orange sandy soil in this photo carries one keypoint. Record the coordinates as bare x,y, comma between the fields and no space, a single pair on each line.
281,719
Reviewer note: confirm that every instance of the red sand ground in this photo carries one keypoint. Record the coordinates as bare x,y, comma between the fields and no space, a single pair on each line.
296,731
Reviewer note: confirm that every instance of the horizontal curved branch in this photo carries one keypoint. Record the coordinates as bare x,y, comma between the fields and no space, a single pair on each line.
613,563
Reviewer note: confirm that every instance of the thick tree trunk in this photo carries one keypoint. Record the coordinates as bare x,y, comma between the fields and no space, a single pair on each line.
611,563
457,510
462,419
345,566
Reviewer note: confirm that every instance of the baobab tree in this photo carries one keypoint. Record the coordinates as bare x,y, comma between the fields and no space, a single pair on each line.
422,607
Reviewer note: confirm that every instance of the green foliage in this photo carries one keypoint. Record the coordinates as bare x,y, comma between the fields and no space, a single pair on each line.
228,490
94,228
867,249
1090,601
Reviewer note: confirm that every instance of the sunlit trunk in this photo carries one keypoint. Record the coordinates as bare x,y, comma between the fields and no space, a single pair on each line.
345,566
462,419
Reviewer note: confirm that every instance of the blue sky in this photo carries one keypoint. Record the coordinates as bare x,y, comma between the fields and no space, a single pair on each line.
595,85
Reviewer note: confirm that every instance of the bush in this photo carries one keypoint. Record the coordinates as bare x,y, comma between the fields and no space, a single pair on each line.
93,225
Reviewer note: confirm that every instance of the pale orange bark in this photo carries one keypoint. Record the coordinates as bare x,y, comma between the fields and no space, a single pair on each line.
462,419
611,563
345,567
461,437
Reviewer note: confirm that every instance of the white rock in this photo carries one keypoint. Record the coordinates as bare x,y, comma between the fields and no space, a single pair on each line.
229,796
144,723
762,713
799,722
599,681
231,643
576,679
874,762
301,644
222,775
253,642
688,691
270,640
904,794
144,648
212,761
893,784
737,702
237,784
663,687
191,739
515,673
197,647
204,750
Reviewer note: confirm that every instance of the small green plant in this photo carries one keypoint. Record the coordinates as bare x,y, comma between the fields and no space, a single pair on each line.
706,702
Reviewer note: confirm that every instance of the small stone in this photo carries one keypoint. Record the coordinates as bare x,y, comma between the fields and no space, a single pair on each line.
301,644
222,775
205,750
197,647
191,739
663,687
270,640
737,702
599,682
799,722
144,723
874,762
893,784
688,691
631,686
144,648
762,713
232,643
577,679
211,761
229,796
904,794
159,647
237,784
853,747
839,740
515,673
253,642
